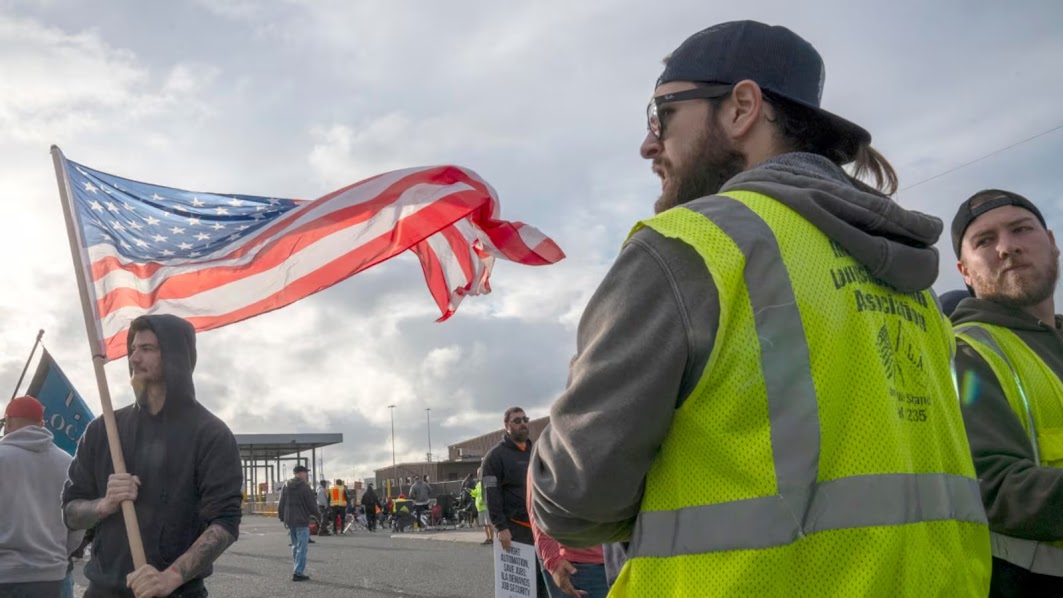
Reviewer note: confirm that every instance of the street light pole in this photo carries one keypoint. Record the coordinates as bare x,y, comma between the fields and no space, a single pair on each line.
428,417
394,468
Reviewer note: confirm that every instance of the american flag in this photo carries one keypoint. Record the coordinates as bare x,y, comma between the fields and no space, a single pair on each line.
215,259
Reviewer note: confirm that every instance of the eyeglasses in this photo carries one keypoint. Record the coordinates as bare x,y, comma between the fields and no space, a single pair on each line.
654,122
520,420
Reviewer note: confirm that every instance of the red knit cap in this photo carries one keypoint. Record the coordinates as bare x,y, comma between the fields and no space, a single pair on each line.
27,407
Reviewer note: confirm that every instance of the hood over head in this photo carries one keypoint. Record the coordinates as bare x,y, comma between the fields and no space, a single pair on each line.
896,245
177,344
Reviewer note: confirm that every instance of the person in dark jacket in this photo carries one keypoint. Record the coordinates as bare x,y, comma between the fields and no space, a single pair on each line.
1010,260
296,505
370,502
184,475
505,480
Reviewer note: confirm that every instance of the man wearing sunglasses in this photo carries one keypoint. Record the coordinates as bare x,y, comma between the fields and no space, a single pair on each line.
505,480
761,402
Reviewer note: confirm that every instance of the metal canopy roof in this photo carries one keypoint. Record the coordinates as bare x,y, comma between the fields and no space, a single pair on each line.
274,446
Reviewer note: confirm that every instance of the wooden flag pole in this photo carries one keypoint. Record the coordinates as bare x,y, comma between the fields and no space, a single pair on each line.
92,326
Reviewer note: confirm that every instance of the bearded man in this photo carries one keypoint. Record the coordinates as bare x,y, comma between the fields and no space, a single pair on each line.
1009,364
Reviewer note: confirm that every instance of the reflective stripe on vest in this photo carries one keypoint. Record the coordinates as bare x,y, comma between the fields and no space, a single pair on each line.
1037,557
858,501
747,493
338,498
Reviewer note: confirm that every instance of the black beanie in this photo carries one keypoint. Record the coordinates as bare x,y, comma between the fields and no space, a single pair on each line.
989,199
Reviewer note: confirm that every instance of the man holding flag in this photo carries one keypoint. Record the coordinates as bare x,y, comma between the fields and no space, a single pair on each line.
185,477
34,544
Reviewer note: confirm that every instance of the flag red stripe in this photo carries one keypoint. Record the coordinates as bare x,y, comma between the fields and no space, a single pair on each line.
433,275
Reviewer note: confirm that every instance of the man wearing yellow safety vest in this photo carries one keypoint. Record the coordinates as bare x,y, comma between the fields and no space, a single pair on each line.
481,509
337,505
762,403
1009,365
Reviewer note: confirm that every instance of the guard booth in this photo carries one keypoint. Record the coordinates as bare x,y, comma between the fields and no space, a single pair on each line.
267,461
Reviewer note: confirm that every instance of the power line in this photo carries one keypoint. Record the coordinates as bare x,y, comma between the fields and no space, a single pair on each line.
989,155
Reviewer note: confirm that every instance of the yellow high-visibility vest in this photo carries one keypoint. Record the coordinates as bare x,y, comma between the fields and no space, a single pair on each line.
1036,396
822,452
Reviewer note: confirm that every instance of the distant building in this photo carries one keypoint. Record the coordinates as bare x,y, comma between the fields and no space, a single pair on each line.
474,449
465,458
402,475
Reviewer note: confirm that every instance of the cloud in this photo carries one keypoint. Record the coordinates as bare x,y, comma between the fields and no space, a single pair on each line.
58,85
343,154
55,81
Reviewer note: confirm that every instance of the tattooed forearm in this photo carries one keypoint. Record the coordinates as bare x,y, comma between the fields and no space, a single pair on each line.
206,550
81,514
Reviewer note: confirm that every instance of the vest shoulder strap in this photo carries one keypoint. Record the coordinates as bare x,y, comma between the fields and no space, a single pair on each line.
983,338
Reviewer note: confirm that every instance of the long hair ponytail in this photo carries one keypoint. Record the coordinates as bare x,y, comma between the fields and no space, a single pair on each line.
801,131
870,164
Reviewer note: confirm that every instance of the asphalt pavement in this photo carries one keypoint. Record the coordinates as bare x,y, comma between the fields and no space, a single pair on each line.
362,565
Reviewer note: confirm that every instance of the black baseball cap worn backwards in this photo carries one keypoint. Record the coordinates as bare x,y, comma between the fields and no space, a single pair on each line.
777,59
987,199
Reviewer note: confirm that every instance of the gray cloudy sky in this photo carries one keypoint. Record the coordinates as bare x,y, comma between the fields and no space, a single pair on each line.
545,100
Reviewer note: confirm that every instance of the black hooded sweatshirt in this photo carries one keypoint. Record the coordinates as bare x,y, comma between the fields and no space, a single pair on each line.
369,499
505,475
187,461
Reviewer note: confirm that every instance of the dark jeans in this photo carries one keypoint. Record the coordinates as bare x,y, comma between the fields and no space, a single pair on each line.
32,589
370,518
588,577
1013,581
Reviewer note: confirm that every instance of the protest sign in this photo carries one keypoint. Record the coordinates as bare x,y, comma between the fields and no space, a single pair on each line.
515,571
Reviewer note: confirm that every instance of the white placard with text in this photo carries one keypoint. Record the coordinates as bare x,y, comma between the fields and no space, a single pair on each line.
515,571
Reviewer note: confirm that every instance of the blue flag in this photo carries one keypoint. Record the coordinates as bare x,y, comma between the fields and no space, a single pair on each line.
65,413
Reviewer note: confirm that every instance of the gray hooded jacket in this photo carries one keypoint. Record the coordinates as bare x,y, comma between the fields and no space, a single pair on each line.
297,504
34,542
647,333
